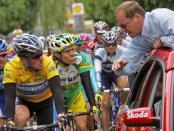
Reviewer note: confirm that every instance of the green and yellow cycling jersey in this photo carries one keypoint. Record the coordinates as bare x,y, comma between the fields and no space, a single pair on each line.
70,77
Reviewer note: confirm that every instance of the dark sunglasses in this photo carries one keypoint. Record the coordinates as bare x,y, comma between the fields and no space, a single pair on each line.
36,56
110,44
3,55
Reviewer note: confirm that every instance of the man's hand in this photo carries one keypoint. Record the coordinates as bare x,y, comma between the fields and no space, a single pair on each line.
157,44
119,64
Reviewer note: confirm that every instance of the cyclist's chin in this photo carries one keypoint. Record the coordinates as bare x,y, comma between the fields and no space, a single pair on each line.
37,67
69,62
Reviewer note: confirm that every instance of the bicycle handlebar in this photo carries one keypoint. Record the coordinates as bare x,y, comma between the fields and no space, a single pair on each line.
117,90
73,114
32,128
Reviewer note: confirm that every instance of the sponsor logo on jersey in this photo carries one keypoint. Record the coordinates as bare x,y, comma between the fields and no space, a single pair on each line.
32,89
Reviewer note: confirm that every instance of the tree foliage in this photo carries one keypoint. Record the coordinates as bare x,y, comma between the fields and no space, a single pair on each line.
152,4
17,13
105,9
101,10
52,14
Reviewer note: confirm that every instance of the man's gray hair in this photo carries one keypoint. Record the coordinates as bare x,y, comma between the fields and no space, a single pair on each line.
131,8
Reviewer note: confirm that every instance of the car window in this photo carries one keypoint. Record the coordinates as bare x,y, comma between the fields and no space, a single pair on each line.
139,83
146,90
151,93
155,99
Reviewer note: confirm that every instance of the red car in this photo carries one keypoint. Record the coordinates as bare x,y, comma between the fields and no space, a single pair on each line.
150,104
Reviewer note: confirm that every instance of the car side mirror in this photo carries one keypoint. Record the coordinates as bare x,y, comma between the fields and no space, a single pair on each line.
141,117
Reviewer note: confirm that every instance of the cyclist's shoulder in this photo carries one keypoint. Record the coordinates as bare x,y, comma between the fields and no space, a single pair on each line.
47,60
13,63
100,52
81,58
82,62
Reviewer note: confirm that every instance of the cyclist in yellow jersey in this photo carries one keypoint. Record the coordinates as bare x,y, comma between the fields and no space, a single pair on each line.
34,79
74,71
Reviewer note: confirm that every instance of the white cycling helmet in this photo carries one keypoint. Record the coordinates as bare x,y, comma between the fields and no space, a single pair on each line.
109,37
118,30
27,45
57,43
101,27
42,40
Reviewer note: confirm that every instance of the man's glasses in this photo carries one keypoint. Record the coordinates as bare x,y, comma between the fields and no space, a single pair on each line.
125,25
36,57
3,55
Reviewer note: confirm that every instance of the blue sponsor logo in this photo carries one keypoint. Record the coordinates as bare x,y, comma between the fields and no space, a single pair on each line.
32,89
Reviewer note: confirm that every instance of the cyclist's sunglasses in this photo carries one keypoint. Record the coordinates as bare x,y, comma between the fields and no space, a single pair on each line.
113,44
3,55
36,57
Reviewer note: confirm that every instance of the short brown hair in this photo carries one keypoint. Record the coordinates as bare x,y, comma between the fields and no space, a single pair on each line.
131,8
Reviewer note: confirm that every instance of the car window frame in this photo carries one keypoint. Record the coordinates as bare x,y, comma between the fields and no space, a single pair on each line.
146,69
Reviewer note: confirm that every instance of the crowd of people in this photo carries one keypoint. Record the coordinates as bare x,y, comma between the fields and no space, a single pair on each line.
70,70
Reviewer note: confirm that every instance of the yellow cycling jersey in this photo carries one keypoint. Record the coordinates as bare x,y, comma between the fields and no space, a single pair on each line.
31,86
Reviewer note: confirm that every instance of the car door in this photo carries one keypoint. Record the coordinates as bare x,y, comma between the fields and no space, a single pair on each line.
144,90
133,101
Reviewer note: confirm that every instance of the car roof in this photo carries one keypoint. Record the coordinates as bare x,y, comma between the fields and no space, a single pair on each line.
167,55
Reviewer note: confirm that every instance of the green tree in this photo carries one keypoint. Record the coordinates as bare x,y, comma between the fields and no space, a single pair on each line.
101,10
52,15
17,13
152,4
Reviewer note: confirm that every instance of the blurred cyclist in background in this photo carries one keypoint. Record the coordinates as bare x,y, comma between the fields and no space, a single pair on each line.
78,43
123,38
43,44
3,60
103,60
85,40
99,28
